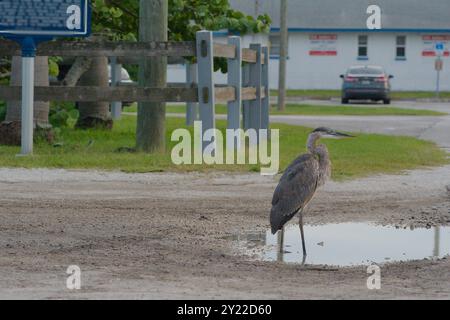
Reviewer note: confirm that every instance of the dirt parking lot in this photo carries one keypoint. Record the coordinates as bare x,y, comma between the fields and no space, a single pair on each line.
159,236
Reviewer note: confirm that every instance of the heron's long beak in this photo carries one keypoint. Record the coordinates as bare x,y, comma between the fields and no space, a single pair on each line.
343,135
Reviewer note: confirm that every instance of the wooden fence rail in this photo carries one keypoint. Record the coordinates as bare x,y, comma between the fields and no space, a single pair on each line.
200,89
123,93
124,49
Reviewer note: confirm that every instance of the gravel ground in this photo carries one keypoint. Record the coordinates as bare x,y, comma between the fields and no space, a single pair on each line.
167,235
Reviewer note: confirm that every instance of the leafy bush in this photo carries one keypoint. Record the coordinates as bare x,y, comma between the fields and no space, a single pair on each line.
62,113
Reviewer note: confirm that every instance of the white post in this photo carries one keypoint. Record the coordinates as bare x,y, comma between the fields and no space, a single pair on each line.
191,80
27,105
265,108
235,80
116,78
246,103
256,82
206,88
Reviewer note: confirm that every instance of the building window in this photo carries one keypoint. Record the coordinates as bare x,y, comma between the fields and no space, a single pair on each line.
363,51
275,42
400,49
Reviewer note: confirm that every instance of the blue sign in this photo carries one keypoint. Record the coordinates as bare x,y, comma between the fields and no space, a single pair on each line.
440,46
45,18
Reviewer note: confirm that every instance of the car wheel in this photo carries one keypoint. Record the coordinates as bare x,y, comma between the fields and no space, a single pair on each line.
344,101
387,101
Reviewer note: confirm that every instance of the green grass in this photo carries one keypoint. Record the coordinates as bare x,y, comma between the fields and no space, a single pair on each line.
300,109
93,149
412,95
329,94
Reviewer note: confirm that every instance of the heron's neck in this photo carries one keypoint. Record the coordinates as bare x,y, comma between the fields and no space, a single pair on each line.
318,150
312,142
322,155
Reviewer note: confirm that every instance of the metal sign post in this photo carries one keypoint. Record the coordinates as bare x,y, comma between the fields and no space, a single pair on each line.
440,48
28,59
30,22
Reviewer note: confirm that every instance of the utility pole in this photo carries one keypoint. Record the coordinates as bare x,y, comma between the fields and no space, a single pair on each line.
283,55
256,8
151,122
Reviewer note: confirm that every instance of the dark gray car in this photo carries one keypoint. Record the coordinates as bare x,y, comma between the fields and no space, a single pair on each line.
366,83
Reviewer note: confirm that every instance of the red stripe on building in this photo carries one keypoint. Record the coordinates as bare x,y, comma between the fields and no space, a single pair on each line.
323,37
436,38
433,54
323,53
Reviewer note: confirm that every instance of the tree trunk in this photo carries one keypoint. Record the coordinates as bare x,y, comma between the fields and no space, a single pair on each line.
151,121
10,129
95,114
80,66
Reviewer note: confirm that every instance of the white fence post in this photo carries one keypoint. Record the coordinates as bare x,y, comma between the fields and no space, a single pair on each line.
206,89
116,78
246,103
28,65
256,81
191,80
235,80
265,108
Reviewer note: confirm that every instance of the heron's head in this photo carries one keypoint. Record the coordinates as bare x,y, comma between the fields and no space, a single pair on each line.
330,133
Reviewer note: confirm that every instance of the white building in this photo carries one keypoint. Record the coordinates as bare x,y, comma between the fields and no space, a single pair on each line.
328,36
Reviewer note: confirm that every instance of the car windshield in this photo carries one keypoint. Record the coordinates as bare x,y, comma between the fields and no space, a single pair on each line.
366,71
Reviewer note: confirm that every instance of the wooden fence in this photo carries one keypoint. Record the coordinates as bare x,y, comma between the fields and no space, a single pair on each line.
247,89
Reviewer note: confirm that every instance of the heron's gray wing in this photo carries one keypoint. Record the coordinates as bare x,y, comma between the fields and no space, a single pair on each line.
296,188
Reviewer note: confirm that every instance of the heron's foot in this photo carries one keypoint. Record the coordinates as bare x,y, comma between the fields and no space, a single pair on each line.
304,259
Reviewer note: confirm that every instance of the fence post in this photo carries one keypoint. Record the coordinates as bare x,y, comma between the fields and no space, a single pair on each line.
265,112
206,89
235,80
246,103
191,80
255,81
116,78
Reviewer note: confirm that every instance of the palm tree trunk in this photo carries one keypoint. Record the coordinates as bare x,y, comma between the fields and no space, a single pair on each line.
95,114
11,127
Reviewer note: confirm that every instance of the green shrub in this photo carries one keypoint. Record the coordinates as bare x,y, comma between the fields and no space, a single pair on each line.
62,113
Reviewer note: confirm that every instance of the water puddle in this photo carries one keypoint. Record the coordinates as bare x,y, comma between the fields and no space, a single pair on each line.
348,244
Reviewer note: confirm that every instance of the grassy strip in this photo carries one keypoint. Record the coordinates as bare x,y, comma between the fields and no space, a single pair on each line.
300,109
329,94
365,155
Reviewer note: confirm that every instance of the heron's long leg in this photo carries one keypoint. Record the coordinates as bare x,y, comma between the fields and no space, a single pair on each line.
281,244
303,234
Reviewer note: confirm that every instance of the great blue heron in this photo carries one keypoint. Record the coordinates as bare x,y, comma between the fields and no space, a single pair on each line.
300,181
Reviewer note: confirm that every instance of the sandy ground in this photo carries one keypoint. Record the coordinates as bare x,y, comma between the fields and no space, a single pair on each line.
164,236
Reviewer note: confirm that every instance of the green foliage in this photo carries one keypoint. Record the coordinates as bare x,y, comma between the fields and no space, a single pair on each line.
53,67
117,20
186,17
61,114
120,19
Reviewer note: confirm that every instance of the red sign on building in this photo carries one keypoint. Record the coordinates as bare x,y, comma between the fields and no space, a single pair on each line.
323,45
429,45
